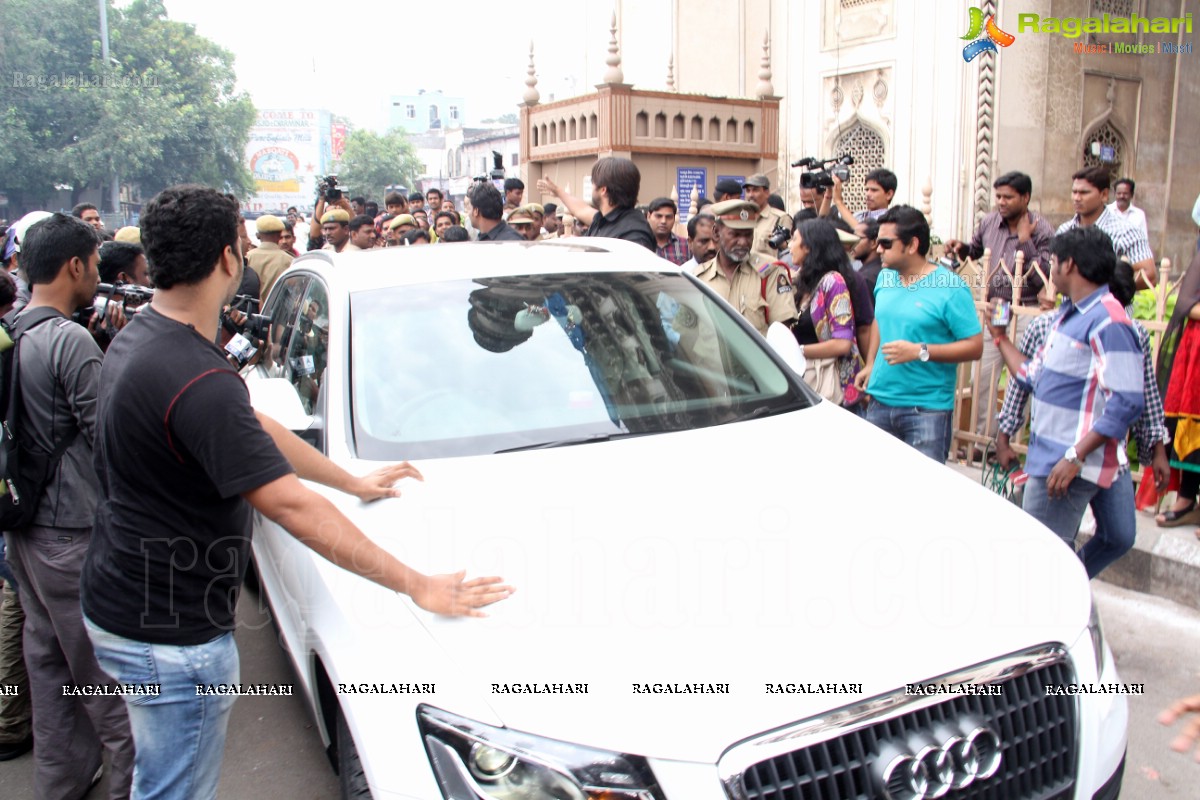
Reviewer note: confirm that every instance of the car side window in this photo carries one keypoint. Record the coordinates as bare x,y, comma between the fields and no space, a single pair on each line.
309,343
283,308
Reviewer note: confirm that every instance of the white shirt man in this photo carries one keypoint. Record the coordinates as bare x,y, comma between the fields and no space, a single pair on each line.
1124,208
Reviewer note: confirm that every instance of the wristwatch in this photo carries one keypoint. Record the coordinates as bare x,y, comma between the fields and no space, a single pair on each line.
1071,456
924,354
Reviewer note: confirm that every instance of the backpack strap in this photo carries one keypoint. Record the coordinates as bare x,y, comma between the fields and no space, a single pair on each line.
13,401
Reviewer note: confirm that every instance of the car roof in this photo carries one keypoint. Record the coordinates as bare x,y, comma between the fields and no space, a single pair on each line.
401,266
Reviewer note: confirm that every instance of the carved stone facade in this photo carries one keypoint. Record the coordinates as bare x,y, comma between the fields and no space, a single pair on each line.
887,81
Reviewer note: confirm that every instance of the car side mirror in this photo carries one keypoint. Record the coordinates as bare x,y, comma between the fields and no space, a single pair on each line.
780,337
279,400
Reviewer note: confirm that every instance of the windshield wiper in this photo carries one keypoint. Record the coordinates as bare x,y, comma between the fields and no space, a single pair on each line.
589,439
768,411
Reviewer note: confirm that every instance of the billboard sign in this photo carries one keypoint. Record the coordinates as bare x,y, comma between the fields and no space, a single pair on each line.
287,150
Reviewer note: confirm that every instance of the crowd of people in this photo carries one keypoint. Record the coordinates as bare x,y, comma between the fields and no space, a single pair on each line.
152,430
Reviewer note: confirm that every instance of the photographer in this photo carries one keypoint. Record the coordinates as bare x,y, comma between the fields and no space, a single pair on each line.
58,367
879,187
183,457
329,196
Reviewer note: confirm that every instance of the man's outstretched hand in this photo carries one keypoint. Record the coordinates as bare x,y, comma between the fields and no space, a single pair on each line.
452,596
382,482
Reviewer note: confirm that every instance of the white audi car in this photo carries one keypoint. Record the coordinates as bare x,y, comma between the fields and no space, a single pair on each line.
725,588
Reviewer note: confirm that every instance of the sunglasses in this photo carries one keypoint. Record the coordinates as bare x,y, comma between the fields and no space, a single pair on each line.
886,244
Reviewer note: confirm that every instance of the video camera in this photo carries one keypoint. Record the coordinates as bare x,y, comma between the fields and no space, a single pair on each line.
133,297
328,188
821,171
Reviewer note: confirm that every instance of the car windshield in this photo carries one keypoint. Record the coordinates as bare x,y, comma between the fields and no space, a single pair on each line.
494,364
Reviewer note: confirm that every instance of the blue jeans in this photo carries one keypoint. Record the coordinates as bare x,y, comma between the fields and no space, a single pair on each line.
1113,508
180,735
926,429
1116,526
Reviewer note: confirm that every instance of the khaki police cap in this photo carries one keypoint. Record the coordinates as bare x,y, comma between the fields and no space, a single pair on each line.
535,208
130,233
757,179
402,219
520,216
335,215
845,237
268,223
739,214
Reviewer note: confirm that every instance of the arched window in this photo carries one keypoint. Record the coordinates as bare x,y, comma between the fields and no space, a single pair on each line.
1105,147
714,130
867,148
660,125
641,124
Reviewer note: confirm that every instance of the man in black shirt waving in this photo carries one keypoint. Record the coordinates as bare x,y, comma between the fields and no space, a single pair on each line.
182,457
612,213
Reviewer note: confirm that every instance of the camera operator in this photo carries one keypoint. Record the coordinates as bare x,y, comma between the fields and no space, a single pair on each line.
183,457
59,372
329,196
879,187
813,187
774,227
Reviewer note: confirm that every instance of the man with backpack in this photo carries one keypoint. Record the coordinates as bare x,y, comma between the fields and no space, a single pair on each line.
49,509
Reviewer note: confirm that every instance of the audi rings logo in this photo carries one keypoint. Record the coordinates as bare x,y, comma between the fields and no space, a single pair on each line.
928,765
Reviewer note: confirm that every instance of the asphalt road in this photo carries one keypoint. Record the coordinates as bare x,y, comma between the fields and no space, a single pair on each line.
273,750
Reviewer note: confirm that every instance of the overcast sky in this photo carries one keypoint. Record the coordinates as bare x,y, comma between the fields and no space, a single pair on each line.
349,57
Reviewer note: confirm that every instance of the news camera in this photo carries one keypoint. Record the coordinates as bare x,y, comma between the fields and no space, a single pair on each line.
328,188
820,171
133,298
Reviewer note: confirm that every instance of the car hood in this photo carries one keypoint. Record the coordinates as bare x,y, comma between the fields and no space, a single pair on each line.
805,549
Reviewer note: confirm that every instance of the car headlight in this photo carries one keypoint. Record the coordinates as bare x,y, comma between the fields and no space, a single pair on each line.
1096,631
474,761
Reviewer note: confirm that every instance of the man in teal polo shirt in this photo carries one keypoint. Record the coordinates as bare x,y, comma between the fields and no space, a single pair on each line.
925,325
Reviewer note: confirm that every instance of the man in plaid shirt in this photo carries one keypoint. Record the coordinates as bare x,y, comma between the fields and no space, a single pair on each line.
1088,390
667,244
1089,194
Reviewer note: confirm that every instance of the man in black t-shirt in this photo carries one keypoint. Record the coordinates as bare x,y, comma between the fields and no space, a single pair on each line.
181,458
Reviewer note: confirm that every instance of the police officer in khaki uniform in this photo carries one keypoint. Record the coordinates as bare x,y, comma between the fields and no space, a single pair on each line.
335,227
760,288
758,190
268,259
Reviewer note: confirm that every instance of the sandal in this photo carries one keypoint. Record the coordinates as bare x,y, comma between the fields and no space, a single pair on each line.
1173,519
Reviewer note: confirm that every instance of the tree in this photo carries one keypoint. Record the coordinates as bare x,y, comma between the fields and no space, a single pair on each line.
503,119
163,109
371,162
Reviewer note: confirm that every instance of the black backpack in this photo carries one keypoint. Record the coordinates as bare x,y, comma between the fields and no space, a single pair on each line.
25,469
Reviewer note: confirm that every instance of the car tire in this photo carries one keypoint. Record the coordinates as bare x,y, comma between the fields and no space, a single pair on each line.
351,778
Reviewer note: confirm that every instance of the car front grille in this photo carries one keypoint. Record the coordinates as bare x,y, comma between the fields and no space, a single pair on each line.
1037,734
